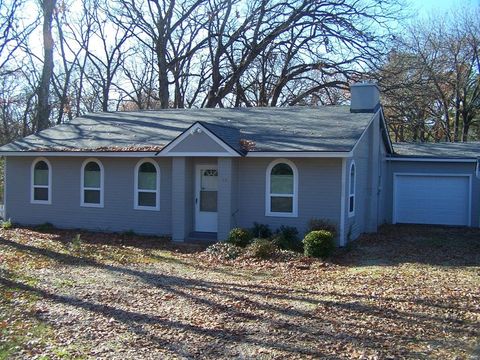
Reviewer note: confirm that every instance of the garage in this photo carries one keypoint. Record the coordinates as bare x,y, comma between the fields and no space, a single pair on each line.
432,199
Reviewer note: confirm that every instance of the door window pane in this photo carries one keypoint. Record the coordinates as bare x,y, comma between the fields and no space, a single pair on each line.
147,199
281,204
92,196
208,201
209,180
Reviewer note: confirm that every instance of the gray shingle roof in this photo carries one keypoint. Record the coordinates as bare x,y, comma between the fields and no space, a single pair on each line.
438,150
330,128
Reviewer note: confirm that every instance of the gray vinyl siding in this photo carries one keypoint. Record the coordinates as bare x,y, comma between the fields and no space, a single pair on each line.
319,188
355,225
198,142
371,174
420,167
65,211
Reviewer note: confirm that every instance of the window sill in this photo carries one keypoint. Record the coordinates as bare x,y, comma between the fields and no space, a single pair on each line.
92,205
40,202
275,214
148,208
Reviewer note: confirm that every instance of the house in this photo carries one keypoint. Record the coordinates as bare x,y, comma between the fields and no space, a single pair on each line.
193,173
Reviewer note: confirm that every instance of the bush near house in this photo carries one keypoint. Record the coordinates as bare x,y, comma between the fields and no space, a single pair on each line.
261,249
6,224
239,237
261,231
322,224
286,238
318,244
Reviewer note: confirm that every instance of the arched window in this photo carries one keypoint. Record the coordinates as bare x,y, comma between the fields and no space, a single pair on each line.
351,191
41,192
147,185
282,189
92,183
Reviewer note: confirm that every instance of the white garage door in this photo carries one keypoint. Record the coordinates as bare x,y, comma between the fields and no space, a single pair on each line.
435,199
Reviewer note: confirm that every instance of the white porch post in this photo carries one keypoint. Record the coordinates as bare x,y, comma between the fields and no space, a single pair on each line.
179,184
226,196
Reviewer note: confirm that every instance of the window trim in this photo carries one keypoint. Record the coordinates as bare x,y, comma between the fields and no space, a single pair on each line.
350,193
32,182
268,194
82,187
136,190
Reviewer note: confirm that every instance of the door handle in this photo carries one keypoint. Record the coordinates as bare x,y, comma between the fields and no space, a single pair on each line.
196,200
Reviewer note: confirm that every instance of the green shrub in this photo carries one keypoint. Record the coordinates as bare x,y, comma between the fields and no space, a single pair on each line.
45,227
76,243
239,237
286,238
261,249
261,231
322,224
318,243
7,224
129,233
224,251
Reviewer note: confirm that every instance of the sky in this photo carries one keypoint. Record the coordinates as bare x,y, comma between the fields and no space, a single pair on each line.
428,7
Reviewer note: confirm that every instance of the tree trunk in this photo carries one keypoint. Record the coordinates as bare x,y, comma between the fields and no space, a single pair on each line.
43,107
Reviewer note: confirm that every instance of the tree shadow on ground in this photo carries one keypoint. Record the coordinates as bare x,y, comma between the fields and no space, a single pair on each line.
422,244
257,300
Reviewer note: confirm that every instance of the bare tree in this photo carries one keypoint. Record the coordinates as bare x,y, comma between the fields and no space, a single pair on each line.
43,92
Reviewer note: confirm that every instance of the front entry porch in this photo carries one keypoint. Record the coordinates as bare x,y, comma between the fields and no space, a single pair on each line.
203,198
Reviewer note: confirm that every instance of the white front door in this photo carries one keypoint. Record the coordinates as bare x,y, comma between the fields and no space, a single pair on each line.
206,179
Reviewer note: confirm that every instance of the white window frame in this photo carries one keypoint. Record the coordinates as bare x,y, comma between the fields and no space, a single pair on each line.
350,193
82,185
268,194
33,186
136,190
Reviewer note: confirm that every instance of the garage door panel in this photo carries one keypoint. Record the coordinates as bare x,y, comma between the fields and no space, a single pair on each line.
423,199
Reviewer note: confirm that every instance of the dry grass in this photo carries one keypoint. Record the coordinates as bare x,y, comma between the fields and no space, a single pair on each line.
407,292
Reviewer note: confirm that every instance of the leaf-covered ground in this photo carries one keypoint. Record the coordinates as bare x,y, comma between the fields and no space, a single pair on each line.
407,292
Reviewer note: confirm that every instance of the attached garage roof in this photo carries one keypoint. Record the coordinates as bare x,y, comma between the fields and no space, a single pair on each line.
467,150
320,129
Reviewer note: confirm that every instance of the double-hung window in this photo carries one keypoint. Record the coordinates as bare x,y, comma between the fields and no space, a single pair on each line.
92,183
282,189
351,191
41,191
147,185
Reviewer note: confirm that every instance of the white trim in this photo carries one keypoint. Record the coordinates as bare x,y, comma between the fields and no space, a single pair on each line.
198,128
300,154
5,189
268,194
33,186
365,130
342,203
82,187
387,134
431,160
198,154
477,166
396,174
136,190
81,153
350,194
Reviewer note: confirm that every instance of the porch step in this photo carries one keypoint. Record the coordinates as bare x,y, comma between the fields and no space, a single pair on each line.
202,237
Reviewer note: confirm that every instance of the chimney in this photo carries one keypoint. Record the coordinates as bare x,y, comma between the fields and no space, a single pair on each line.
365,97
